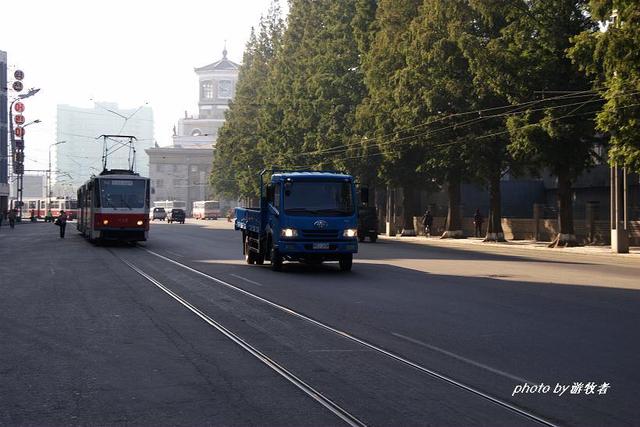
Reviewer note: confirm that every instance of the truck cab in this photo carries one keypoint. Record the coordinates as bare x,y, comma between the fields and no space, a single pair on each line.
308,216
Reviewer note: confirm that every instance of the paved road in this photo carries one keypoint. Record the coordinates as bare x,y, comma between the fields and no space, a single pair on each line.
95,338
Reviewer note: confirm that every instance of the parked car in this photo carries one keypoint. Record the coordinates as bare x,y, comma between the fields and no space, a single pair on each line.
159,213
176,215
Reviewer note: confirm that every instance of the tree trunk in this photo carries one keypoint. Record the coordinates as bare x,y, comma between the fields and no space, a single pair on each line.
454,220
408,210
566,234
494,223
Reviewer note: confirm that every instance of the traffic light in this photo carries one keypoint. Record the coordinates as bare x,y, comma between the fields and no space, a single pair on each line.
18,168
19,144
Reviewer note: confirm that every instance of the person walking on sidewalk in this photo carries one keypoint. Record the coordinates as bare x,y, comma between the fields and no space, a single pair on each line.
61,222
477,221
12,218
427,223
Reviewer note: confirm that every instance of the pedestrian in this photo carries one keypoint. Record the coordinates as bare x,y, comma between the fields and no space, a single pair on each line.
12,218
427,222
61,222
1,217
477,221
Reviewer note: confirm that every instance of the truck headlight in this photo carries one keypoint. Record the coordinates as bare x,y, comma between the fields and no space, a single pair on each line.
350,232
289,232
140,222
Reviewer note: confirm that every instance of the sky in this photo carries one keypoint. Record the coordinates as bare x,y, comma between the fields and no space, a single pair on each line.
129,52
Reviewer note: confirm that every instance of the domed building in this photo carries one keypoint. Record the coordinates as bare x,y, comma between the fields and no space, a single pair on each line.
181,171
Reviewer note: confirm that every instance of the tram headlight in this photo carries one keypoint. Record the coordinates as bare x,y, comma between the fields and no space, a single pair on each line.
140,222
105,222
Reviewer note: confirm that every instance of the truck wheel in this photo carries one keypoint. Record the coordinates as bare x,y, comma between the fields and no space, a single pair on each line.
276,260
346,262
373,238
248,254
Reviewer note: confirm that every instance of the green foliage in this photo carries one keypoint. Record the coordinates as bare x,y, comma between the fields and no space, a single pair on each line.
237,160
612,59
314,88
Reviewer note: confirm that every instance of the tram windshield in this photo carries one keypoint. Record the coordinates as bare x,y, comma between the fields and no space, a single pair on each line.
122,193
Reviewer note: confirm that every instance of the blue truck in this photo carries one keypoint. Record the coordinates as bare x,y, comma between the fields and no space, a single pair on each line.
306,216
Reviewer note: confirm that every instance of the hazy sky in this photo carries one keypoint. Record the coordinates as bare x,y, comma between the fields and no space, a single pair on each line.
129,52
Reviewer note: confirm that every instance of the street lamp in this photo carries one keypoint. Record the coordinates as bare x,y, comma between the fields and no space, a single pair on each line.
47,215
32,122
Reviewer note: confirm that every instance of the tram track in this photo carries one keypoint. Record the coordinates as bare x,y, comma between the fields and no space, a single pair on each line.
299,383
316,395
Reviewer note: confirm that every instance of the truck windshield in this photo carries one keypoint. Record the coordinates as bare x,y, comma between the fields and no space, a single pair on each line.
331,198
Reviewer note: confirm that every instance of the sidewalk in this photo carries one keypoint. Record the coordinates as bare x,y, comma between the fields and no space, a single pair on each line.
534,247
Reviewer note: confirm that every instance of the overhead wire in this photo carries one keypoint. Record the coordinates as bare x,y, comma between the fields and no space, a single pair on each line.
576,94
446,144
337,150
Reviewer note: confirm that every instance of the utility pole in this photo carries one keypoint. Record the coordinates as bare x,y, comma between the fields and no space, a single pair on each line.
4,151
17,145
49,180
619,232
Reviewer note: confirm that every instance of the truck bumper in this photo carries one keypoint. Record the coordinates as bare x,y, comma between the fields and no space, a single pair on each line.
294,250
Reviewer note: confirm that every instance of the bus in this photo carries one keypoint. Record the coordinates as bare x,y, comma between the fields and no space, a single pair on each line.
206,209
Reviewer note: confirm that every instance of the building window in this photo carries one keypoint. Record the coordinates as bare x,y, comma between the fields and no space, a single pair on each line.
194,168
224,89
207,90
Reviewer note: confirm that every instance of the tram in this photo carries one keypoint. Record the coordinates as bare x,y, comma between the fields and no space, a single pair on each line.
43,208
114,206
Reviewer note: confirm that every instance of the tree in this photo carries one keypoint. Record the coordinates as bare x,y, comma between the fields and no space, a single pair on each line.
612,59
529,57
314,89
383,57
237,158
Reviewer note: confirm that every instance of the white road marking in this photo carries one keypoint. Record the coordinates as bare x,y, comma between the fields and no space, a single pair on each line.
246,280
463,359
174,253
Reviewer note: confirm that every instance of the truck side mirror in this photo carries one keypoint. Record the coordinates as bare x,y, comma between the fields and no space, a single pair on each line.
270,191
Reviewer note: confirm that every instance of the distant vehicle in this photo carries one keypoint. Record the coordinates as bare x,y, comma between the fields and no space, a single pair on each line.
114,206
158,213
170,204
368,223
176,215
206,209
40,207
307,216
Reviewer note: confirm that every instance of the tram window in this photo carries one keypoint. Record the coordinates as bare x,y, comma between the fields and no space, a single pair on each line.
122,193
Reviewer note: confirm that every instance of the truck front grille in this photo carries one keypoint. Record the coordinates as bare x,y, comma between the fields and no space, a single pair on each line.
320,234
